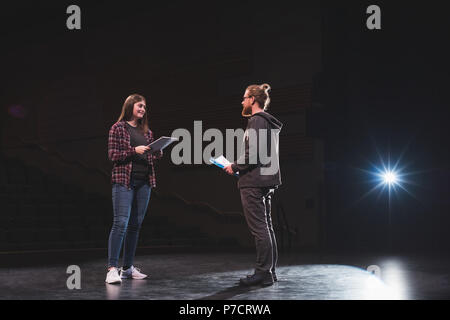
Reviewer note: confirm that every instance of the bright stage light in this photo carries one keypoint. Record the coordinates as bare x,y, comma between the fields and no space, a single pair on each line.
389,177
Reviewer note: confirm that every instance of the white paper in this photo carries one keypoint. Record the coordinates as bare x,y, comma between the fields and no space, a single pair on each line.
221,161
161,143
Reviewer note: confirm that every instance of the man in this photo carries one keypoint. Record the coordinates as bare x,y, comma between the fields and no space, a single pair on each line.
259,176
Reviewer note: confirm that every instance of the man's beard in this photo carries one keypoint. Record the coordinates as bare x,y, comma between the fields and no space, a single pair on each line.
247,111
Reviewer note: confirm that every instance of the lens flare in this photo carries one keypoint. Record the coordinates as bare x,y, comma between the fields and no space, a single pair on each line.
389,177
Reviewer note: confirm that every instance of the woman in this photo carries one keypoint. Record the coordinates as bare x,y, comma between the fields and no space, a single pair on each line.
132,178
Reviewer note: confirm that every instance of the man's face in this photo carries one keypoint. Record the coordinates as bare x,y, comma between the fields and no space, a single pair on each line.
139,109
247,101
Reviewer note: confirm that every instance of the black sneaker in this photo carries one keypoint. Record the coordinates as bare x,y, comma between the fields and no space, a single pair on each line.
260,278
274,276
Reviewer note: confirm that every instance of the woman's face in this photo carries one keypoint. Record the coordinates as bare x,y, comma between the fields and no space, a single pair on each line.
139,109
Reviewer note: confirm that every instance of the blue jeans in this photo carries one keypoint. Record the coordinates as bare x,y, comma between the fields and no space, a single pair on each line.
129,207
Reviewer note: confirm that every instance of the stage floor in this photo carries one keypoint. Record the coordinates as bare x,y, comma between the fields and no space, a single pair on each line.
215,276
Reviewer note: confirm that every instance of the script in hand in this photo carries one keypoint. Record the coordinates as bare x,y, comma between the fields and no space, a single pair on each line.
161,143
221,162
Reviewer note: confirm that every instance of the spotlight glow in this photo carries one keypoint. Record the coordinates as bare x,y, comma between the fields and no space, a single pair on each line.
389,177
386,176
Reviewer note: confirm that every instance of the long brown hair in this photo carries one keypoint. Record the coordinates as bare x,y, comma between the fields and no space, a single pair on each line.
261,94
127,112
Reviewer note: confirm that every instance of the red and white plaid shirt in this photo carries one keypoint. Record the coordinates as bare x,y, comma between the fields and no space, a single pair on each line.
120,152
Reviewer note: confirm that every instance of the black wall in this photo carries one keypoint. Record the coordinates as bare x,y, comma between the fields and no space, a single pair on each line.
378,93
385,94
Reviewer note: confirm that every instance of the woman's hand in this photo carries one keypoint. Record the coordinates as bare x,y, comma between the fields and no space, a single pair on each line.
141,149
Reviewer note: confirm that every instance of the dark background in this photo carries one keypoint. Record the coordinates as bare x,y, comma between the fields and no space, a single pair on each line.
360,94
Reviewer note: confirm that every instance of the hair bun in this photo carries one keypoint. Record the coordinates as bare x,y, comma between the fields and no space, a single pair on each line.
265,87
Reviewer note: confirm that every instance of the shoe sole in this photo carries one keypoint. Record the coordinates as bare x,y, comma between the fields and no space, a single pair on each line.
134,278
264,284
256,285
114,282
274,280
268,284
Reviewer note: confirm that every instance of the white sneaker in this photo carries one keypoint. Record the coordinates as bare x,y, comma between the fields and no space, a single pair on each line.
133,273
113,276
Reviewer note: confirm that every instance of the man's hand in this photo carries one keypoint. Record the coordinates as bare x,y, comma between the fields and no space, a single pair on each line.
228,169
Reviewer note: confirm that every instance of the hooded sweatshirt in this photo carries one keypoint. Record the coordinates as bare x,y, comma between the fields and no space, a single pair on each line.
258,165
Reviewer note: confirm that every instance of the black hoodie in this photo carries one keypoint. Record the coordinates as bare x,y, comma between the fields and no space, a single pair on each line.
259,168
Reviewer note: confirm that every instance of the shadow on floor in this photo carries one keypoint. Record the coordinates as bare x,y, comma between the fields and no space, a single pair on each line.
230,292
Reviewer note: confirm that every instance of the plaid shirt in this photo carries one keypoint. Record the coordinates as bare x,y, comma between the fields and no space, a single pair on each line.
120,152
